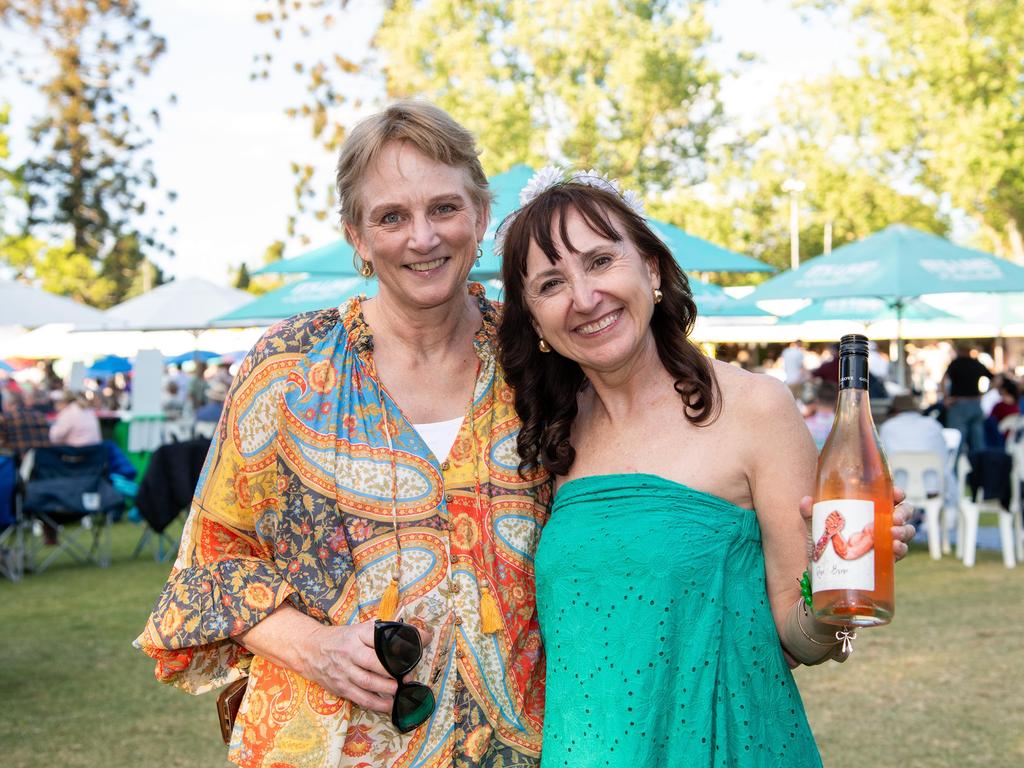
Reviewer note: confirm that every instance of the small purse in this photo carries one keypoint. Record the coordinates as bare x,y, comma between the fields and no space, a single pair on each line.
228,702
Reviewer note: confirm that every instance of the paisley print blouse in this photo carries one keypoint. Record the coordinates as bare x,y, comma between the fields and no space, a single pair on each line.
295,503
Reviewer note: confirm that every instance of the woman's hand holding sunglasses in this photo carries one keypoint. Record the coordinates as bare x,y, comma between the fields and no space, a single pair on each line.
343,660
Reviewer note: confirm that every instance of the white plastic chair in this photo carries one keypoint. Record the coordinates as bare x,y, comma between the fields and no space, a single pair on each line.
177,431
970,511
951,514
1013,427
916,464
1016,451
205,429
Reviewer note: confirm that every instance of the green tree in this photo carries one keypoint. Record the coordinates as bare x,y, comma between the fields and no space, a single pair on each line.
621,85
128,271
257,285
274,252
122,273
63,270
242,278
11,186
19,250
939,94
327,86
87,177
848,192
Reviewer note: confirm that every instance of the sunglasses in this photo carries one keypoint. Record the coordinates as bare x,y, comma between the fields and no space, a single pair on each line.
399,651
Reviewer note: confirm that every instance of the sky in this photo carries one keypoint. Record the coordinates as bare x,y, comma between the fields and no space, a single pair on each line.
227,145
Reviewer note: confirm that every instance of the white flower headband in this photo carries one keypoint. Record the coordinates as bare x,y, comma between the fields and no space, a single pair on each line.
553,175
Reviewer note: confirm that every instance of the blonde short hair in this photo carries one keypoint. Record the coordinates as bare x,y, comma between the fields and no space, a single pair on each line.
428,128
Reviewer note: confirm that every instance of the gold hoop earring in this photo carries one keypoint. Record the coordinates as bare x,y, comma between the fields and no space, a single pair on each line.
479,254
658,296
366,270
543,346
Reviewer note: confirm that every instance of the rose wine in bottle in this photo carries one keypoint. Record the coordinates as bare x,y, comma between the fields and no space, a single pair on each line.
852,559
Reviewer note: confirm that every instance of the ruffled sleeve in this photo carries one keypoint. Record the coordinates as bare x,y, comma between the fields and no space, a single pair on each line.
225,579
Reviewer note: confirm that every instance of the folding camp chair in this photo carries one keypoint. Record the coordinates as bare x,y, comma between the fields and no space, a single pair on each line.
12,524
67,490
166,491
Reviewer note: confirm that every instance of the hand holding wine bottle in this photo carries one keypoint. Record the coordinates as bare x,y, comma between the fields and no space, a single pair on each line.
852,576
902,531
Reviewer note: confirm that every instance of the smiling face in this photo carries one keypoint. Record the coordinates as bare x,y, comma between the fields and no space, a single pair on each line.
594,304
419,226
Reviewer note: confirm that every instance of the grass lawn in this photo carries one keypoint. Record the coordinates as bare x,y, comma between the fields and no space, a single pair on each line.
943,686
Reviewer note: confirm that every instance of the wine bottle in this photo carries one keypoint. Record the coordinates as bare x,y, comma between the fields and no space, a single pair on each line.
852,560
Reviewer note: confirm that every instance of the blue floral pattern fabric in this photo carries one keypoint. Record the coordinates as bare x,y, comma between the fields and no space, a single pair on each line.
295,503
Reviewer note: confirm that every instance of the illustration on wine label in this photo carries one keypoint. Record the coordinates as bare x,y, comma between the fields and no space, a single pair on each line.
843,531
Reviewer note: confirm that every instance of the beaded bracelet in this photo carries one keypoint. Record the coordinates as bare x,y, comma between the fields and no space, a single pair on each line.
844,635
805,587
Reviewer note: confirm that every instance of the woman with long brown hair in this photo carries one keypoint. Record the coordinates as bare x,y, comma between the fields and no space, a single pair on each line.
670,567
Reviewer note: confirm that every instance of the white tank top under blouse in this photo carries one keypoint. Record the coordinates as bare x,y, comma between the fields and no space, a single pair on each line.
440,436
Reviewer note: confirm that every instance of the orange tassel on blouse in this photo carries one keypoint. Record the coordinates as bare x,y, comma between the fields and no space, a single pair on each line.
490,616
388,606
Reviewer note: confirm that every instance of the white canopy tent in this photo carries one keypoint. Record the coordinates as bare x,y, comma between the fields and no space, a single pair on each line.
832,330
190,304
60,340
27,307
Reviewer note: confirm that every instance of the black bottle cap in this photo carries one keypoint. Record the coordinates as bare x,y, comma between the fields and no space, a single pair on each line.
853,344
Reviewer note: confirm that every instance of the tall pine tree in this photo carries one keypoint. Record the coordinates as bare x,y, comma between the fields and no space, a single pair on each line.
87,178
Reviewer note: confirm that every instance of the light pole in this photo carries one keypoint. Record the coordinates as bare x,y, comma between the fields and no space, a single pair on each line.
794,187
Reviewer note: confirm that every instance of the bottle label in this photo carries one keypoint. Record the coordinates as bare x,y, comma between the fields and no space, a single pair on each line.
843,533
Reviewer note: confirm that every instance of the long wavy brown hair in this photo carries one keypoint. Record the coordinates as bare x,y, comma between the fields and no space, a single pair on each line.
547,385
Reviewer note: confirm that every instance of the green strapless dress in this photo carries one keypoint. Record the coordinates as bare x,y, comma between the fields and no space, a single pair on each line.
661,648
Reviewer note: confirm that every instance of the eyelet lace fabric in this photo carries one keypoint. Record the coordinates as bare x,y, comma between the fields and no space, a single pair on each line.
661,647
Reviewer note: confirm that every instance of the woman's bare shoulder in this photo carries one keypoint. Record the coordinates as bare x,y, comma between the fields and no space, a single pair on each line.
749,394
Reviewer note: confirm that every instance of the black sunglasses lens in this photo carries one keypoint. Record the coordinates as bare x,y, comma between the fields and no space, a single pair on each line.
400,648
414,703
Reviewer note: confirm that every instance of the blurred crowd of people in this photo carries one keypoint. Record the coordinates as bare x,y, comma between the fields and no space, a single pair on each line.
953,384
197,395
37,408
950,386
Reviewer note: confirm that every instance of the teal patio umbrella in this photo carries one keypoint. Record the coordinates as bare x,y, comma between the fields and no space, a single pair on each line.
696,254
864,310
108,365
506,187
186,357
1002,311
896,264
317,292
693,253
712,301
337,258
